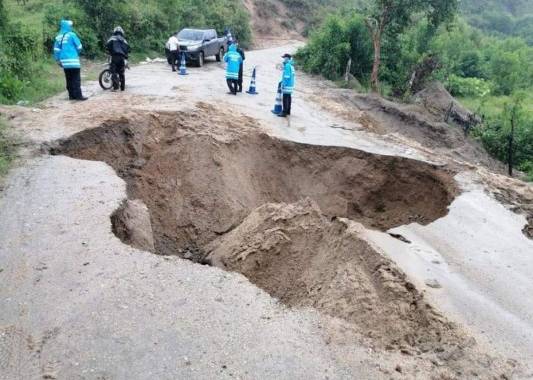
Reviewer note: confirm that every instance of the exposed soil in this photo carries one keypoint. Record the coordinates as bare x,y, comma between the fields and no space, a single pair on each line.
422,123
304,259
220,192
202,172
272,23
295,253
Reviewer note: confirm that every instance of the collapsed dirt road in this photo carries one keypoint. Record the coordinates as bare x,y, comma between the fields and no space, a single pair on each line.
373,242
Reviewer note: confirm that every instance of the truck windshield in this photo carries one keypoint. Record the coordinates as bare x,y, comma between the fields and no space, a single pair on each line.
190,34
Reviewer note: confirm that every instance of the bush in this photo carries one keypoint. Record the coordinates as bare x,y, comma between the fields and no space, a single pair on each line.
475,87
10,86
147,25
18,61
334,43
6,148
495,133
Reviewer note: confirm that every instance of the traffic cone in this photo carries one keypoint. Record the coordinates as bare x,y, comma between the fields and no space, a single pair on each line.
252,90
183,65
278,108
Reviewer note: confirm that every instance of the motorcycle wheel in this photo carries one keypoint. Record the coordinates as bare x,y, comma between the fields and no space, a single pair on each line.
105,79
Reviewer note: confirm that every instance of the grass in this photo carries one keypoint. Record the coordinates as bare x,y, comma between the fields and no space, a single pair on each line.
50,81
494,105
6,148
48,78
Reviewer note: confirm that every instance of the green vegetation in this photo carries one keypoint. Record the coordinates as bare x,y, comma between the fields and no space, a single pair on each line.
27,71
6,148
485,70
510,129
501,17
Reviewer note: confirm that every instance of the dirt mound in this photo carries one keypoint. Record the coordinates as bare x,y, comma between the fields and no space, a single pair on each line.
438,101
303,259
201,173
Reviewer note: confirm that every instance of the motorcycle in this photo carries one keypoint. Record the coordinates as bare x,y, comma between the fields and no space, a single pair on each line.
106,76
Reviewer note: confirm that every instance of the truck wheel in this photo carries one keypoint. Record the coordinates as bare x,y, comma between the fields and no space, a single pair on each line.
201,59
220,54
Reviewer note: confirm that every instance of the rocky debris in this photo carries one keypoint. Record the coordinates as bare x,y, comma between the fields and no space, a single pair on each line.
192,253
400,237
433,283
528,229
132,224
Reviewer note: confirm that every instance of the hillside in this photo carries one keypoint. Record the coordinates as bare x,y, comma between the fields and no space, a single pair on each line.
508,17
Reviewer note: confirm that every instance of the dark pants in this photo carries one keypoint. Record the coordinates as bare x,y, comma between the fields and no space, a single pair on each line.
118,67
287,101
239,82
232,85
73,79
174,59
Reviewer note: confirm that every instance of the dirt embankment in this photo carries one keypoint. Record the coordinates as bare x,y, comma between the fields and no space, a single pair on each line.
420,124
282,214
272,23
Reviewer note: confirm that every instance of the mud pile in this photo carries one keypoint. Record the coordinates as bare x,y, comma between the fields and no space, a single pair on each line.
303,259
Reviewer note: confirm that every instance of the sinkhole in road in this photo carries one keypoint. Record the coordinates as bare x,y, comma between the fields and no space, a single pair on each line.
220,191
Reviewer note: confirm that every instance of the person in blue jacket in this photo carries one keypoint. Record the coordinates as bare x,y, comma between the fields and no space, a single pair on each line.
67,48
233,62
287,84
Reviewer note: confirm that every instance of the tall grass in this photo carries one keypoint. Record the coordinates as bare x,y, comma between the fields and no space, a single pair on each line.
6,148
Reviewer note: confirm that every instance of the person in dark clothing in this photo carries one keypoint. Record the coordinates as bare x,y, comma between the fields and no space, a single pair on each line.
118,49
241,67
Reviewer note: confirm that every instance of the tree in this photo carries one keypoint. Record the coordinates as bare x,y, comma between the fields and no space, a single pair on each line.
105,15
3,16
393,16
513,112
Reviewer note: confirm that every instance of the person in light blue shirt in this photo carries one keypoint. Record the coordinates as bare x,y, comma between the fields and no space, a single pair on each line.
287,84
67,48
233,63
